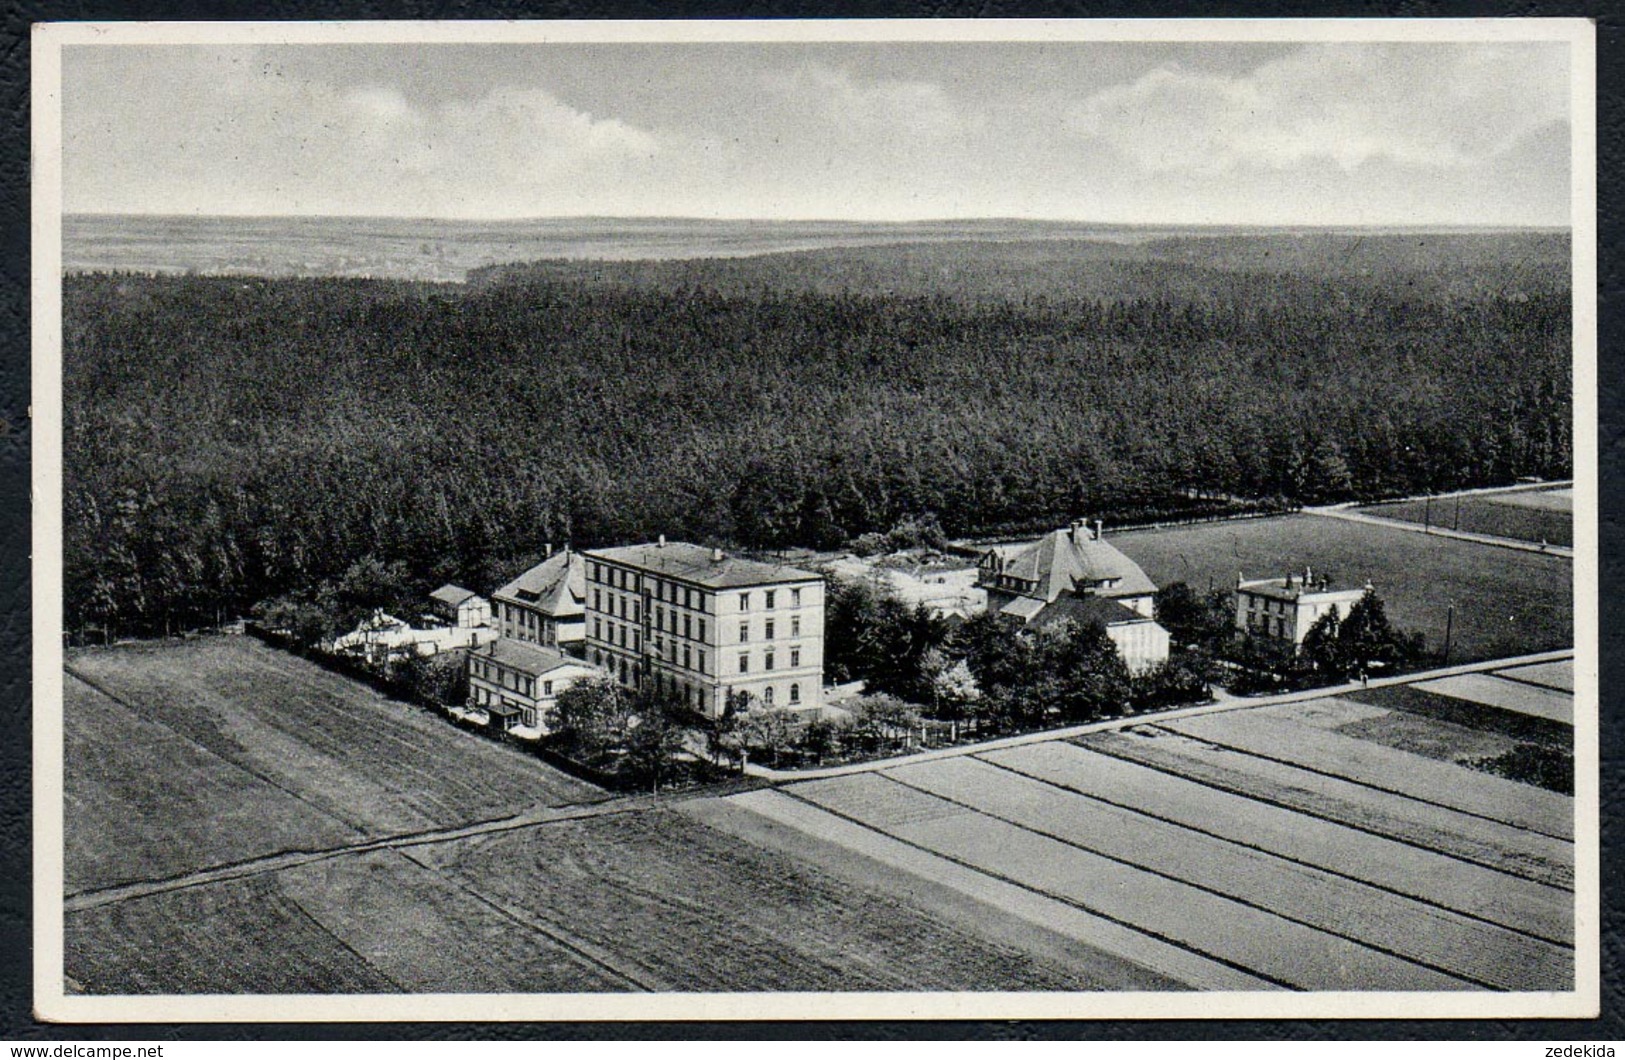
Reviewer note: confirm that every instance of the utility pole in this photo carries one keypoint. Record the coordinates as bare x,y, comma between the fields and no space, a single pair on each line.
1427,516
1449,624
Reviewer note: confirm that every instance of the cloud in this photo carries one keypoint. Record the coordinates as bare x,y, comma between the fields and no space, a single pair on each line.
249,140
1421,106
916,108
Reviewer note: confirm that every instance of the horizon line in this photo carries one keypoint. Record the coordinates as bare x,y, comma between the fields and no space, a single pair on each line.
896,223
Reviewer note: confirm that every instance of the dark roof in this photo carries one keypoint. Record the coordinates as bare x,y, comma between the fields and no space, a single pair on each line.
1086,609
556,586
696,564
526,657
453,595
1067,559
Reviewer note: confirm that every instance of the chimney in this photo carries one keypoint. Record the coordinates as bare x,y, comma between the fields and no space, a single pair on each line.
1076,523
662,541
1308,574
1100,529
547,550
716,555
1289,579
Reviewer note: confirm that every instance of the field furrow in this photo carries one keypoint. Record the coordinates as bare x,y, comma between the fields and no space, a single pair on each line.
1446,882
1537,858
1279,949
1507,801
1489,955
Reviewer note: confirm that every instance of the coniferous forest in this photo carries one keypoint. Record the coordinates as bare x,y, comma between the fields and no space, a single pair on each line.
227,439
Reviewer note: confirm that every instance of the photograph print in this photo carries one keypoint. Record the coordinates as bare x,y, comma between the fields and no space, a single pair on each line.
767,520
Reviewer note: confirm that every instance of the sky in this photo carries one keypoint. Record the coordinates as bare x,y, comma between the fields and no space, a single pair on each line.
1168,133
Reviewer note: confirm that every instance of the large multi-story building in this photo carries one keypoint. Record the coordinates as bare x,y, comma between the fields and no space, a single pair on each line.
1075,574
701,624
1285,608
545,605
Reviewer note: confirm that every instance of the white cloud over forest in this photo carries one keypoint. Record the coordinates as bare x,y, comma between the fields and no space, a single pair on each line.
1346,104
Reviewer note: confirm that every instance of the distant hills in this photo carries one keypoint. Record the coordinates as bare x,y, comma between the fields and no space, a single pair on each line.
856,253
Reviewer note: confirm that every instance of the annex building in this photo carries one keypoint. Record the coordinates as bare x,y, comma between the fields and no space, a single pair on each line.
1285,608
1074,573
546,604
516,682
700,624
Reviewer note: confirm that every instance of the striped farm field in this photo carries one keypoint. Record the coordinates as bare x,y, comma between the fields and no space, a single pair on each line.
1486,954
1434,878
1114,956
1281,950
1385,769
241,822
1477,839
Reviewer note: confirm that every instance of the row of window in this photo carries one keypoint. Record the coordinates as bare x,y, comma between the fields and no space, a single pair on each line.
770,629
630,675
1261,624
667,592
768,659
615,633
502,676
625,605
671,592
770,599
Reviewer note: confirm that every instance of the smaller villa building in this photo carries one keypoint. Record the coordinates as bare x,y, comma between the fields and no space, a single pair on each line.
1285,608
1075,574
546,605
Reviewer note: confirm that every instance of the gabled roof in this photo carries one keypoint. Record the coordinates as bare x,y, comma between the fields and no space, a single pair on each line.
528,658
1074,559
703,566
453,595
556,586
1086,609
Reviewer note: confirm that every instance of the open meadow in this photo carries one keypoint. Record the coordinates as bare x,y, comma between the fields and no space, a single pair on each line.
1506,602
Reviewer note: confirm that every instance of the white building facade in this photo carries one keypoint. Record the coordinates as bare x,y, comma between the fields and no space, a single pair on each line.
699,624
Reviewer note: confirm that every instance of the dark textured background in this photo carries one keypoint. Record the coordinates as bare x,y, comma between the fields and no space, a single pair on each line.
15,777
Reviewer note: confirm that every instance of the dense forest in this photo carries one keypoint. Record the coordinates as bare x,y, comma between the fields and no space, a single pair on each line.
228,438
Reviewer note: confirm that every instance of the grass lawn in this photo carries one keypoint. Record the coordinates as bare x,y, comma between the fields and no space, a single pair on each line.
1506,602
